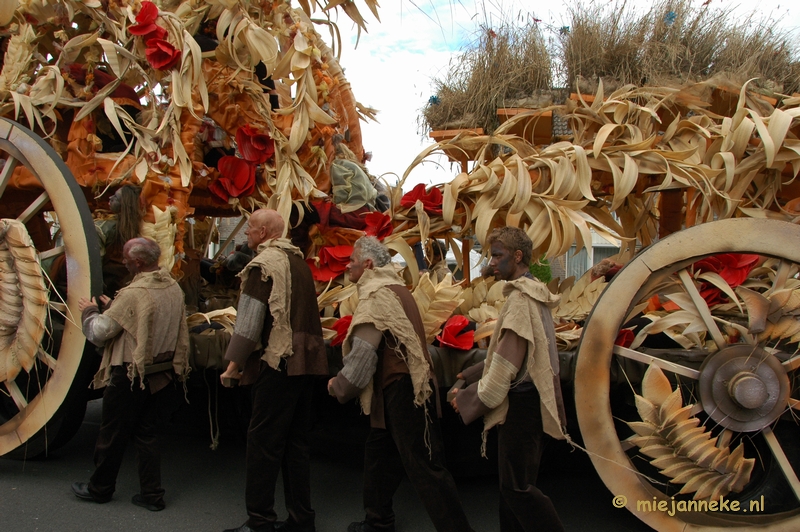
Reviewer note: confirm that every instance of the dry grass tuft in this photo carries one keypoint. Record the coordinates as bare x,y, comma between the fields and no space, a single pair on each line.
508,66
671,44
674,43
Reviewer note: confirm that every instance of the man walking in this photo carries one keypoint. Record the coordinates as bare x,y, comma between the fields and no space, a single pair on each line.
386,364
277,310
518,387
146,342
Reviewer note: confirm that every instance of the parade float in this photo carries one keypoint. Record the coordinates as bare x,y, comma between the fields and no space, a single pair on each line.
682,364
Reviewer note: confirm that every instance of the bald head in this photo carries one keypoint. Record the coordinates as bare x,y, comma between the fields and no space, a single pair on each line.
263,225
141,255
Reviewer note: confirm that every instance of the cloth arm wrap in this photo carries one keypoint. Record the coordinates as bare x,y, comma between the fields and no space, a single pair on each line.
493,387
98,328
360,363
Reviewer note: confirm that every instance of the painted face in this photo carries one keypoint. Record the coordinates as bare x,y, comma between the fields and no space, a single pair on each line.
114,202
254,235
503,262
355,269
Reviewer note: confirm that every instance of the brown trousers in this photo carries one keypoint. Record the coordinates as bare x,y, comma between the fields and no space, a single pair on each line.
523,506
277,442
129,412
400,448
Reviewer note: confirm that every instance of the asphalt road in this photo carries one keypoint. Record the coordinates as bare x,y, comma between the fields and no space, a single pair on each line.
205,487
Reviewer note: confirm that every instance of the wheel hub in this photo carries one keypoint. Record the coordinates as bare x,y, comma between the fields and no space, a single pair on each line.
743,388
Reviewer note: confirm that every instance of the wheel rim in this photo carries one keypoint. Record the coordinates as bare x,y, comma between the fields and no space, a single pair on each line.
36,397
670,259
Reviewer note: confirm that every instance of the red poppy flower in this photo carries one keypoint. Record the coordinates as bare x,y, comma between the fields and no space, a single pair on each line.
161,55
331,216
146,26
379,225
253,145
431,201
452,335
624,338
332,262
237,178
732,267
341,327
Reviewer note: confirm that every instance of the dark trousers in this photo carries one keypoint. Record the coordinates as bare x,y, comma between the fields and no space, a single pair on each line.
277,441
523,507
401,447
128,411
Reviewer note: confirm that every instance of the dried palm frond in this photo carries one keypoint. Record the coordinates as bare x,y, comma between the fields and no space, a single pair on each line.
436,302
680,447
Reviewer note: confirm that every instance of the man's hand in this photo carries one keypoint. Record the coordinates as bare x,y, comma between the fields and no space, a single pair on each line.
453,403
105,300
84,303
231,373
330,385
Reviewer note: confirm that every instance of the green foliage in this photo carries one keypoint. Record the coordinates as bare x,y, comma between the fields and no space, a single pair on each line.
541,270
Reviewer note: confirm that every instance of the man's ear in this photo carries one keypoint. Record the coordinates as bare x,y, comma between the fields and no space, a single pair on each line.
518,255
368,264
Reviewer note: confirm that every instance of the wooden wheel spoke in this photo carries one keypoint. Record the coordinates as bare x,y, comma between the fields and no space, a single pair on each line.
59,250
783,461
34,207
47,358
16,395
794,403
660,362
792,364
58,306
702,308
6,172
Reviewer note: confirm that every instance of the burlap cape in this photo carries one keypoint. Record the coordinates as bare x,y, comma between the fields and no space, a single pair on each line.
133,309
274,264
380,306
521,314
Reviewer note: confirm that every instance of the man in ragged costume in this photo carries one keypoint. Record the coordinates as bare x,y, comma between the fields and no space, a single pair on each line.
387,365
277,347
146,342
517,388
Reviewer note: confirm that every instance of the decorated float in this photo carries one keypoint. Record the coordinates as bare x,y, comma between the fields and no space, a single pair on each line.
682,364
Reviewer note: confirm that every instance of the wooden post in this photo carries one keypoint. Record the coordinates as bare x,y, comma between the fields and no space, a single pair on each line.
670,206
211,225
466,247
230,237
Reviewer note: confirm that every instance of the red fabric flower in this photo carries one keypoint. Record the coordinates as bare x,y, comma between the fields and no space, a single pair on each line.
237,178
101,79
624,338
732,267
253,145
161,55
331,216
332,262
431,201
452,335
146,26
379,225
341,327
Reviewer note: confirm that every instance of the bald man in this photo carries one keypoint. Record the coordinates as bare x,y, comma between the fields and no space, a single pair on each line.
146,341
277,347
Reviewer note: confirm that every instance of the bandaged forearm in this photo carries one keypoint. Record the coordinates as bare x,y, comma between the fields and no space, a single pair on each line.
360,363
493,387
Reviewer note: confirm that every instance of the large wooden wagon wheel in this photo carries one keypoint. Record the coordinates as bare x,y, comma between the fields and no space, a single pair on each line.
743,389
43,353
